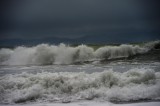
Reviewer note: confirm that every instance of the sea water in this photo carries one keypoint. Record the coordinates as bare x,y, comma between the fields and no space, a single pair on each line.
50,74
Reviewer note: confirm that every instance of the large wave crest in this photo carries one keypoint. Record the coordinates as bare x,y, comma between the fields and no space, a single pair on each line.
44,54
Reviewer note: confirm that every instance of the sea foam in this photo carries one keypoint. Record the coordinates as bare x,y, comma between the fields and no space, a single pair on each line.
133,85
45,54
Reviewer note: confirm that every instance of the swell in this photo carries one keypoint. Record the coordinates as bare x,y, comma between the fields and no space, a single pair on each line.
45,54
133,85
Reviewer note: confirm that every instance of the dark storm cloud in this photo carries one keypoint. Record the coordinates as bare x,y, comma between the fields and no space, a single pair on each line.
38,19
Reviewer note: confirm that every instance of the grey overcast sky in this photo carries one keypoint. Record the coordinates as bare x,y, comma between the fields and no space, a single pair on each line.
79,21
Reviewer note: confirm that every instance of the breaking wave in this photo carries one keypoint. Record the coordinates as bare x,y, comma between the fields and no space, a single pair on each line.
45,54
133,85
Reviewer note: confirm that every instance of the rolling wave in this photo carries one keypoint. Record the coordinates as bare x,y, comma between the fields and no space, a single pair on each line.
45,54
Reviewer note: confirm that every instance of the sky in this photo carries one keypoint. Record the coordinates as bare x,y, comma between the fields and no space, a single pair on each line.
78,21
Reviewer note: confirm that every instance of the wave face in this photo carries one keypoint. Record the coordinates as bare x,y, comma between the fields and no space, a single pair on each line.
133,85
45,54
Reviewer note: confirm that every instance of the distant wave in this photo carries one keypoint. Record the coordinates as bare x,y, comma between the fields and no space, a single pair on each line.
45,54
133,85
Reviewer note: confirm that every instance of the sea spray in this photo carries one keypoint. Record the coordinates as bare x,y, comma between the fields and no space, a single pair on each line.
45,54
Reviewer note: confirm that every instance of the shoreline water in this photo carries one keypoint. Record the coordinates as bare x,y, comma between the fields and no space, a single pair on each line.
87,103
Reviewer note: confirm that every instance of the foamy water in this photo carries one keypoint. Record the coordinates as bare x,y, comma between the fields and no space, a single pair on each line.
135,84
45,54
48,74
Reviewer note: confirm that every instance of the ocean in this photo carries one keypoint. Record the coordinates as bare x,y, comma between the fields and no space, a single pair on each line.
63,74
